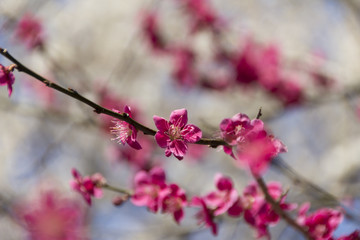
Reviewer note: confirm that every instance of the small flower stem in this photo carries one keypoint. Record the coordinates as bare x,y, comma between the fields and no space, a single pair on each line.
275,205
115,189
97,108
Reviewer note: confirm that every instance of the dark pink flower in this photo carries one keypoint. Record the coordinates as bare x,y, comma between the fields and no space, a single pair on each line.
125,132
6,78
87,186
224,197
52,217
151,31
254,148
147,188
205,215
176,133
30,31
173,200
320,224
246,63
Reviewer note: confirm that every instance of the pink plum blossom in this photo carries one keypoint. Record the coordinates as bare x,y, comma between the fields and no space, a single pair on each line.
320,224
125,132
224,197
52,217
87,186
205,215
176,133
6,78
254,148
147,188
173,200
30,31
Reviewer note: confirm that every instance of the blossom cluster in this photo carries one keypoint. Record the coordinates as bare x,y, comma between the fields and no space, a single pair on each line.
250,64
151,190
256,211
253,146
88,186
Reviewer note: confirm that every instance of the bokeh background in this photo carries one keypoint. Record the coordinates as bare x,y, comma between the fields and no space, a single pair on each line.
101,50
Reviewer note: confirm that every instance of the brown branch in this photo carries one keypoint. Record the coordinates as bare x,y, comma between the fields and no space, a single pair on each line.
97,108
275,205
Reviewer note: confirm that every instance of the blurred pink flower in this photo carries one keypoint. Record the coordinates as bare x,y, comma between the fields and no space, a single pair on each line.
176,133
6,78
173,200
125,132
53,217
184,71
224,197
151,31
205,215
87,186
30,31
322,223
147,188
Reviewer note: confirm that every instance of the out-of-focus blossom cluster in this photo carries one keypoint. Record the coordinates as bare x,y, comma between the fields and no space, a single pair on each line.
252,64
30,31
152,191
52,216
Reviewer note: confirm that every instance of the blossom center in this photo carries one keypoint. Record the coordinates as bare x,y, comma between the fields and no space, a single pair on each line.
174,132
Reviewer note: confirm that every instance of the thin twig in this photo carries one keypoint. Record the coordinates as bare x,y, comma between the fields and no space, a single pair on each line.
116,189
275,205
97,108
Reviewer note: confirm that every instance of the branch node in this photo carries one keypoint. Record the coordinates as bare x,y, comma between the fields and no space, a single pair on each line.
259,114
97,110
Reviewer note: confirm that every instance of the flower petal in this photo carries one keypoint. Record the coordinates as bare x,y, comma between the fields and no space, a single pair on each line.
161,139
179,117
191,133
161,123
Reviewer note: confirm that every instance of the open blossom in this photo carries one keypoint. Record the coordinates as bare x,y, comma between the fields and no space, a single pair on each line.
225,198
30,31
6,78
52,217
147,188
205,215
173,200
176,133
87,186
125,132
254,148
322,223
